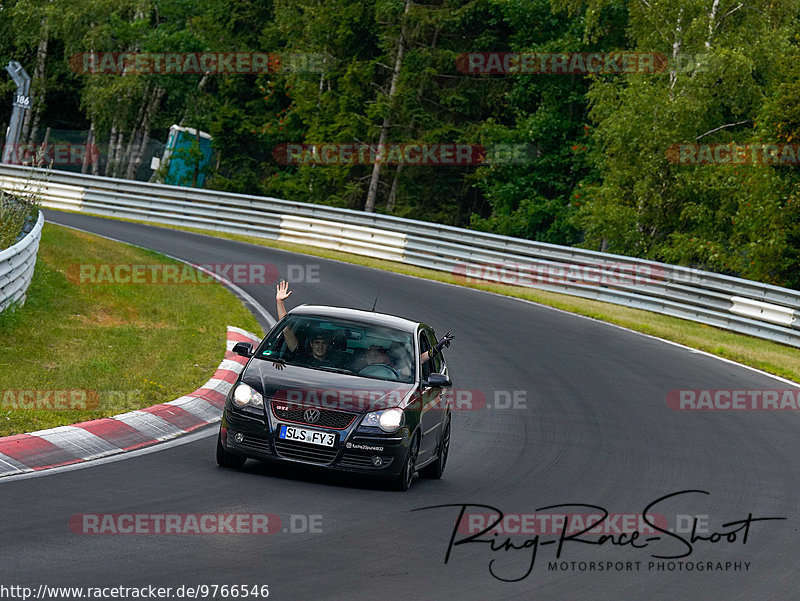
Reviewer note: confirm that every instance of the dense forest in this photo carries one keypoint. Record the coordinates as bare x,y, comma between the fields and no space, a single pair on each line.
668,160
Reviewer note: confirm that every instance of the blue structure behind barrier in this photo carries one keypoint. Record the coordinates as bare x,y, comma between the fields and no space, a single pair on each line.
181,162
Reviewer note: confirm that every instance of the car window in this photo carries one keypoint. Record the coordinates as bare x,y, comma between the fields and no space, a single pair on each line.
425,346
346,346
438,360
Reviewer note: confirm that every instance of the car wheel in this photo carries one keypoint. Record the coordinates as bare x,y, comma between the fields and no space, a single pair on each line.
436,469
406,475
225,459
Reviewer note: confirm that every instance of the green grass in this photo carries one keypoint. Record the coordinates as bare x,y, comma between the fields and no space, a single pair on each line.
129,345
769,356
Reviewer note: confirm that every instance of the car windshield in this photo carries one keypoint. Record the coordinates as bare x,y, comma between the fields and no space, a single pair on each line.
342,346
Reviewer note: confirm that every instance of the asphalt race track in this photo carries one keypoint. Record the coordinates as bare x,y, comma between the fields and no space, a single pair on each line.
591,427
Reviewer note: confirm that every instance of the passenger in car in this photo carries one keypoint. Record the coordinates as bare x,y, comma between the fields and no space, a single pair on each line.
282,292
320,353
317,351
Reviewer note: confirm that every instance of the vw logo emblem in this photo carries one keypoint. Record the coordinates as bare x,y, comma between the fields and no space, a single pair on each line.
311,415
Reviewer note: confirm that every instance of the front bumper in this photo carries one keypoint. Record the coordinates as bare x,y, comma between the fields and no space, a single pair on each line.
365,452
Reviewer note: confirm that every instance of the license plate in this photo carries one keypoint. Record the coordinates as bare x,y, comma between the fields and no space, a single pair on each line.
324,439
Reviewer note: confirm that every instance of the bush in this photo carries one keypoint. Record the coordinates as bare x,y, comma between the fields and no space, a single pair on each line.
17,217
19,211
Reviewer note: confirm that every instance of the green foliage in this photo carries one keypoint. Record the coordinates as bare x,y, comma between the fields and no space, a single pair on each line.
730,218
19,210
15,212
600,170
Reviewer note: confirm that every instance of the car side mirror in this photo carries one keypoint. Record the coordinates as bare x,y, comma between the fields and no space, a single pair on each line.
438,381
245,349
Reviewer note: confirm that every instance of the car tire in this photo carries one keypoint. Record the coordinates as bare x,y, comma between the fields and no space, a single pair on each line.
225,459
436,469
403,480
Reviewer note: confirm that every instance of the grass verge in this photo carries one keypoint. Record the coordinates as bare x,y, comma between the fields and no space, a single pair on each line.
771,357
115,347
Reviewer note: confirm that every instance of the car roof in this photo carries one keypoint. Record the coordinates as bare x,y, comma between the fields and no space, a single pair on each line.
368,317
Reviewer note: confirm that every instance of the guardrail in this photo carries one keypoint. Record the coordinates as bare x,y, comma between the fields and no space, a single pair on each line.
727,302
16,266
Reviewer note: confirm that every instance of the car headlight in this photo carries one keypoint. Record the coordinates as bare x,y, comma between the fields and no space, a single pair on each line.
387,420
244,395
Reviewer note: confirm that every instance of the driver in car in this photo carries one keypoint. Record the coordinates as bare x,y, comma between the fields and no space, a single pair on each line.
376,354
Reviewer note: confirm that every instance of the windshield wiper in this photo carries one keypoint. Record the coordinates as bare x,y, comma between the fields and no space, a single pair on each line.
337,370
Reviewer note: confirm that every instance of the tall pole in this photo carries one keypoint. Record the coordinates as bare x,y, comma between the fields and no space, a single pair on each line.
22,103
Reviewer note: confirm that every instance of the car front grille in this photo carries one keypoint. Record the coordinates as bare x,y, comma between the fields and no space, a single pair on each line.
335,420
291,449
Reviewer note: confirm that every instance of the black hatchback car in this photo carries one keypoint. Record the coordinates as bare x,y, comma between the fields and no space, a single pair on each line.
348,390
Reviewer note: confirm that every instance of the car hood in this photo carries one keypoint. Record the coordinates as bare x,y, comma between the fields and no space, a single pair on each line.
328,390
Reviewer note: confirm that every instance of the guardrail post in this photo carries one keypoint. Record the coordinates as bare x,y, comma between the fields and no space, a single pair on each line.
21,104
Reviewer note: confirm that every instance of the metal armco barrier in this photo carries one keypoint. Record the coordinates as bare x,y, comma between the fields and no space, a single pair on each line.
16,266
727,302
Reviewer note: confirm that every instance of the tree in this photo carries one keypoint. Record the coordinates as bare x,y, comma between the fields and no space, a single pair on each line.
548,114
640,203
